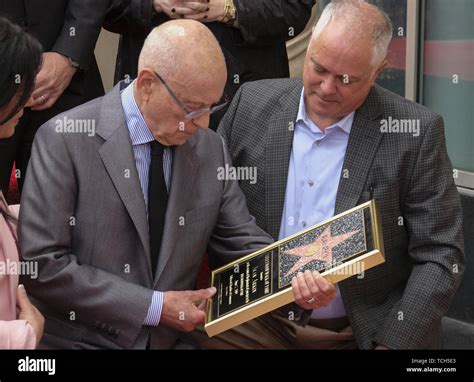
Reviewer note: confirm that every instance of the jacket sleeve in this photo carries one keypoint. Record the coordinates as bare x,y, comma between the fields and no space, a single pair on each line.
125,16
82,25
17,334
433,218
262,22
236,233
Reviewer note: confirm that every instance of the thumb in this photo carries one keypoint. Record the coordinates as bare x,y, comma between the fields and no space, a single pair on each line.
22,298
203,294
202,306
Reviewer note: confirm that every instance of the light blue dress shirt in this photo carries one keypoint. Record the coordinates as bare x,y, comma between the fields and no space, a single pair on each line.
141,137
313,179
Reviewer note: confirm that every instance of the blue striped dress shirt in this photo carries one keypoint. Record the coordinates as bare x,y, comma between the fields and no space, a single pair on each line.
313,179
141,137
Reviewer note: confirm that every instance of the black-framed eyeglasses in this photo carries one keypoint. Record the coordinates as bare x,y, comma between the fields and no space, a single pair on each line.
192,114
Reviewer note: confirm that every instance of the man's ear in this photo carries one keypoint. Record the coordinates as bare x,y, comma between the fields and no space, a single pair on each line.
144,82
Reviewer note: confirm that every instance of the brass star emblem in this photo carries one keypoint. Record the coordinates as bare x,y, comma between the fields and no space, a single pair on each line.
320,249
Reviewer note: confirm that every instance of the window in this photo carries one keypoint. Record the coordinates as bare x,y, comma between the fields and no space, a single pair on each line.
447,84
393,76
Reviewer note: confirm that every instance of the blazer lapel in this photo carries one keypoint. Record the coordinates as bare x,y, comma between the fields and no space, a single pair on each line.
277,158
185,164
117,155
363,143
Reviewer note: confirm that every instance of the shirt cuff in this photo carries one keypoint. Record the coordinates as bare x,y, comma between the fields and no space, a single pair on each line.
154,311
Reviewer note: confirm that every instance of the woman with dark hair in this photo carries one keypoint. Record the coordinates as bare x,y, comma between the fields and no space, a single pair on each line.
20,60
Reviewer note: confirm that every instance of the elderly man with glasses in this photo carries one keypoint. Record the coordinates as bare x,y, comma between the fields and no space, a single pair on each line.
193,114
119,220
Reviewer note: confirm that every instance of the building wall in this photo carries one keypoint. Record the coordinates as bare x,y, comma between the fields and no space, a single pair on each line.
106,54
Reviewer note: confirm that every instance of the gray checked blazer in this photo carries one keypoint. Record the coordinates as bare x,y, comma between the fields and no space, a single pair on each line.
400,303
84,220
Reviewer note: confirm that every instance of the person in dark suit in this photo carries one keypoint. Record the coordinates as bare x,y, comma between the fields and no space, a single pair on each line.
252,34
68,31
327,144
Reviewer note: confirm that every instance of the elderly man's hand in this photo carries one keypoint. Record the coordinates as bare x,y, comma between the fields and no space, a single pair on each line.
185,310
54,77
312,291
177,9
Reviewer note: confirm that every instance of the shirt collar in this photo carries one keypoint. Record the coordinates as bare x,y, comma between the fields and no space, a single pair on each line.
139,132
345,124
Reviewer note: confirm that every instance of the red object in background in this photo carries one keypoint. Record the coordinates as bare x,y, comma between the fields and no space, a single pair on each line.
397,54
448,58
203,274
13,195
441,58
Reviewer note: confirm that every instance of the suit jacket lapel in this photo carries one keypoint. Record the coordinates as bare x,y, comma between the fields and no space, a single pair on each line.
185,164
363,143
117,156
277,158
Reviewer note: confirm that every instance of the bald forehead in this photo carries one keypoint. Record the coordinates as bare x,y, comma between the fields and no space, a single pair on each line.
182,45
182,34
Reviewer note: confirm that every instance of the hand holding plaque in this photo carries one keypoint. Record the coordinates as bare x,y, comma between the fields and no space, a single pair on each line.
184,310
343,246
312,291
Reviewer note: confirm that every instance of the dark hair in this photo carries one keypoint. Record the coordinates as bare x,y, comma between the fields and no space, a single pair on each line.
20,60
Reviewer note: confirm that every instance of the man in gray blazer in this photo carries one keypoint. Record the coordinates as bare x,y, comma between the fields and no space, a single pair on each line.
328,143
88,192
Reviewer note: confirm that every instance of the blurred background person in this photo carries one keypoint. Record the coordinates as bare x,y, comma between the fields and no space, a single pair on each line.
251,33
20,60
68,31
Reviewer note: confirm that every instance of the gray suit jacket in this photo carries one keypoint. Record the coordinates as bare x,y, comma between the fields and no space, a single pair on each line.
84,220
398,304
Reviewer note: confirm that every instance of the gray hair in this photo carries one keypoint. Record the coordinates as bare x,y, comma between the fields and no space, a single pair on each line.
361,15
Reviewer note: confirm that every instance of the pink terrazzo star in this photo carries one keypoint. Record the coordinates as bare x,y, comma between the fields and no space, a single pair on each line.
320,249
